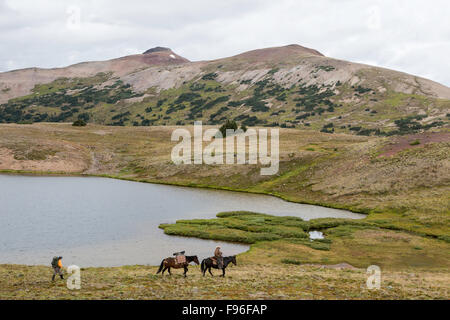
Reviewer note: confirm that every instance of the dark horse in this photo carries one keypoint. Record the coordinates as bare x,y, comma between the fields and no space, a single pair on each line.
168,263
208,263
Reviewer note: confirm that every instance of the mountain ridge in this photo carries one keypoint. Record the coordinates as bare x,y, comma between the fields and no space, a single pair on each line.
292,85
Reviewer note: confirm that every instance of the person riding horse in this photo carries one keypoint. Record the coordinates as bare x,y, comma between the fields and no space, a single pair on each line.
209,263
219,257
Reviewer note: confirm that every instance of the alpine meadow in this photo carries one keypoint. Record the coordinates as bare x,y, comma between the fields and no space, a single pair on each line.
292,144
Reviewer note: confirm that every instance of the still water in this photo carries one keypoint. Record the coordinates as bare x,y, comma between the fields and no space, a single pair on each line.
106,222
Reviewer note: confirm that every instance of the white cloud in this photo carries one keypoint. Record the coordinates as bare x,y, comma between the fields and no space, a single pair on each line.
411,36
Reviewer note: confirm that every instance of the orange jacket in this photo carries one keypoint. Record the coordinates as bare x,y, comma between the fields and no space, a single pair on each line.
60,263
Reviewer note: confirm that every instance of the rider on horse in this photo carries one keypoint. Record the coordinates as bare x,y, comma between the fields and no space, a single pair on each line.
219,257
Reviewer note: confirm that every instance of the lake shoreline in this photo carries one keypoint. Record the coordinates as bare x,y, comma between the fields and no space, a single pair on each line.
117,216
357,242
187,185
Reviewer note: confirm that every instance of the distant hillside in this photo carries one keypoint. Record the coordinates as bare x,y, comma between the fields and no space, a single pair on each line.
289,86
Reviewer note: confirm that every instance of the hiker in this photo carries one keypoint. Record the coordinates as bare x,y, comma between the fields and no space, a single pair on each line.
180,257
57,267
219,257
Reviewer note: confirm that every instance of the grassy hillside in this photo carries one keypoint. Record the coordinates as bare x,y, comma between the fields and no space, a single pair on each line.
292,87
330,108
400,182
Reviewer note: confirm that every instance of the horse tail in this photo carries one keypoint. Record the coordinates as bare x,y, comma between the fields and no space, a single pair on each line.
161,267
203,267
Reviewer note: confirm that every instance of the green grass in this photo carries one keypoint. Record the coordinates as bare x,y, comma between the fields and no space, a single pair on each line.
243,227
248,280
285,240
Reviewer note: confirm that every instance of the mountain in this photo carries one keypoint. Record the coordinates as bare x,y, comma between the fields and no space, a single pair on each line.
18,83
290,86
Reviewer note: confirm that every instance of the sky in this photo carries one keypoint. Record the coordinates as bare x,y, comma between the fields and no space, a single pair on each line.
412,36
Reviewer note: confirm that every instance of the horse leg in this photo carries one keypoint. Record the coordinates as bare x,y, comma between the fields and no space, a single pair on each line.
168,269
209,269
204,270
164,270
185,271
223,272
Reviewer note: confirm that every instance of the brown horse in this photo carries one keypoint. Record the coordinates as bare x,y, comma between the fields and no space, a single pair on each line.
168,263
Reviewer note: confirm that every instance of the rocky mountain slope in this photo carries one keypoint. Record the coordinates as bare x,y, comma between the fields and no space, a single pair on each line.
290,86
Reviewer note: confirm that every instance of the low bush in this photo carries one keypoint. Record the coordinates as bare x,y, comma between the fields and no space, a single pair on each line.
79,123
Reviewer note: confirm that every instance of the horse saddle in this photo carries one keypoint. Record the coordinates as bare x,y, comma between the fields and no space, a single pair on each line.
180,258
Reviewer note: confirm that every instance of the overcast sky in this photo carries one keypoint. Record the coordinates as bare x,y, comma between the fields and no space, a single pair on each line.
407,35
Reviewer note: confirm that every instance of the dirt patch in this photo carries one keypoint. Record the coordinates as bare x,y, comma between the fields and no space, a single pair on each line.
69,163
339,266
413,141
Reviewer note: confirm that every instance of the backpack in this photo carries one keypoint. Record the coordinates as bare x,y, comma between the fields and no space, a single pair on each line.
55,262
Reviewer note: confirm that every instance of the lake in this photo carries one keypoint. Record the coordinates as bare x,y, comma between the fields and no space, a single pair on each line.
106,222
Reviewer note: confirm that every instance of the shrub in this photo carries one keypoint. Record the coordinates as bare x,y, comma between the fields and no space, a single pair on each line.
234,103
145,122
210,76
84,116
186,97
160,103
121,115
79,123
362,90
273,71
252,121
291,261
197,86
328,128
230,124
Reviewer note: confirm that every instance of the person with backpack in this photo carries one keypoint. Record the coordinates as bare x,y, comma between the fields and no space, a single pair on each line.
57,267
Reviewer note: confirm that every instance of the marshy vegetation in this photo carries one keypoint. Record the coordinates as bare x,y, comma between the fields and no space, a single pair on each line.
343,238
